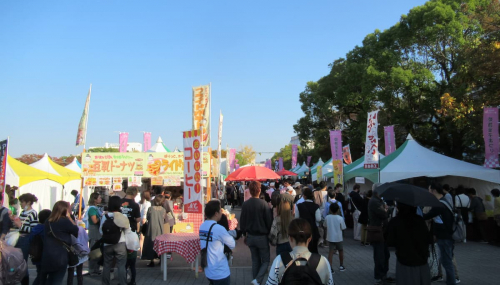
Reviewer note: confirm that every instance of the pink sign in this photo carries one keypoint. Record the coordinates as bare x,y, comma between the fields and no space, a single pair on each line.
147,141
123,142
490,133
390,142
336,144
232,156
295,151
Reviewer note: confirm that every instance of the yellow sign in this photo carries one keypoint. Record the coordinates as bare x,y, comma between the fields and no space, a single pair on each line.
319,173
338,169
201,112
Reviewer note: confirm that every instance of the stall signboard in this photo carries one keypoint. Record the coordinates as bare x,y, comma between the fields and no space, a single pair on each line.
90,181
103,181
145,164
171,180
157,180
117,187
134,181
117,180
192,172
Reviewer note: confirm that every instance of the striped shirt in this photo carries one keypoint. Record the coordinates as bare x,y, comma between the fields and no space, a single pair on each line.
29,220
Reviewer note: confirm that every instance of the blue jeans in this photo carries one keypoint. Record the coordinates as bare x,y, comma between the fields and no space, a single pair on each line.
53,278
381,260
446,255
283,248
225,281
23,243
259,248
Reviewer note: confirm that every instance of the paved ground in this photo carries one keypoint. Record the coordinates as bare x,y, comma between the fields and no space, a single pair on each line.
477,264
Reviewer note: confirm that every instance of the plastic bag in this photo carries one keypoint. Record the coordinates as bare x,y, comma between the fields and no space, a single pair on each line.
11,238
131,240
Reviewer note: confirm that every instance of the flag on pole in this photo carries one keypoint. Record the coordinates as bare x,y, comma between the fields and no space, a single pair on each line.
308,160
147,141
336,144
280,164
371,143
346,153
219,148
123,142
193,191
295,151
82,126
390,141
201,112
491,140
3,165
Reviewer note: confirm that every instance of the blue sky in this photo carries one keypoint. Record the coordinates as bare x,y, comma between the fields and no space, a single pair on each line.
143,58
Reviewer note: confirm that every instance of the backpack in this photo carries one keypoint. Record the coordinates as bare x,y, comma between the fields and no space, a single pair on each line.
275,198
111,233
300,274
459,231
13,265
36,248
85,218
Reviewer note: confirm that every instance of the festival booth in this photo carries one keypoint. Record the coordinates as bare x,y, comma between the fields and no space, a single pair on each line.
302,172
47,187
71,180
159,147
315,168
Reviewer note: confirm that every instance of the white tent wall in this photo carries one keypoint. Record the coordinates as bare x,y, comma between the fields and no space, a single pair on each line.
483,188
47,191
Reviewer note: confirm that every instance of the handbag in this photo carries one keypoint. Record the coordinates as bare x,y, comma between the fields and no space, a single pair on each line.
131,240
374,234
144,228
11,238
204,261
73,259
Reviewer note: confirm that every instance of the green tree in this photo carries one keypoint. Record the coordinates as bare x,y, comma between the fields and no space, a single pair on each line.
246,155
286,153
103,149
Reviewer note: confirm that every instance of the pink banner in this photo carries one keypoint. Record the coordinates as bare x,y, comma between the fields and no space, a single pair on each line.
123,142
237,166
295,151
390,140
336,144
280,167
147,141
232,157
308,160
490,133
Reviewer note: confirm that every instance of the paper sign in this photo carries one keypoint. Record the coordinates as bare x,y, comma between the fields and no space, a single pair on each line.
103,181
359,180
171,180
117,187
90,181
135,181
157,180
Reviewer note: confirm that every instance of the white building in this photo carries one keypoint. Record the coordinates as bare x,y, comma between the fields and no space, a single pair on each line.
295,140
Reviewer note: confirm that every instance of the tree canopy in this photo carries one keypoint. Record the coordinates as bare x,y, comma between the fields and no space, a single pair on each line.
430,75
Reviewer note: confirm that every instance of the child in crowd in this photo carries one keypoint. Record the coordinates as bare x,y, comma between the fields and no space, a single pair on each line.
39,230
335,224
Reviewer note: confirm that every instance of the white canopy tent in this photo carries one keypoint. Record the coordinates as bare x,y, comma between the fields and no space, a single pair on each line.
302,170
314,169
159,146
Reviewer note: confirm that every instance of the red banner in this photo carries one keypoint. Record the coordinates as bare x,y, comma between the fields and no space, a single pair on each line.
193,192
346,153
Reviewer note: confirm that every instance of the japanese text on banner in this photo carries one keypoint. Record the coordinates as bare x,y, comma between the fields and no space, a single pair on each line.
193,192
371,143
389,139
295,151
491,140
336,144
201,111
3,164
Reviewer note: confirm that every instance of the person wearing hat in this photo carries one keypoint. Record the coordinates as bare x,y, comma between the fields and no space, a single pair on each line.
118,250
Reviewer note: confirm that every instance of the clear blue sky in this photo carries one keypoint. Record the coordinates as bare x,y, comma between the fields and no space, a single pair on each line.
143,57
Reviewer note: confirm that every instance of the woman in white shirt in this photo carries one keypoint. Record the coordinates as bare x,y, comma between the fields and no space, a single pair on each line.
300,235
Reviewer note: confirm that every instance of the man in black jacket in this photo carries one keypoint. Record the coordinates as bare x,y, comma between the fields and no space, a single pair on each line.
442,227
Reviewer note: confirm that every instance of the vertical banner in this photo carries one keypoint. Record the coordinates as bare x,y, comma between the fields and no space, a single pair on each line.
147,141
295,151
3,165
192,171
201,111
490,133
237,166
82,126
336,144
389,138
371,143
276,165
319,173
219,147
280,166
346,153
338,171
308,160
232,157
123,142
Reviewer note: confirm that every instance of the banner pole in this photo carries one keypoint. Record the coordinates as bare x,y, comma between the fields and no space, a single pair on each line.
85,142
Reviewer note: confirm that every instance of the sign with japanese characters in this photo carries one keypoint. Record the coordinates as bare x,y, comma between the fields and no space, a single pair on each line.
491,140
346,153
157,180
201,112
295,151
3,164
171,180
90,181
104,181
134,181
390,140
338,171
371,143
336,144
193,160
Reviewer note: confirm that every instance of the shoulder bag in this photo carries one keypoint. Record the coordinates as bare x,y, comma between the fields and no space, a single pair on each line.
73,259
204,261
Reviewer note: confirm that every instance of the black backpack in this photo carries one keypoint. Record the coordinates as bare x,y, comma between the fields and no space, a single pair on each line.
36,248
300,274
111,233
275,198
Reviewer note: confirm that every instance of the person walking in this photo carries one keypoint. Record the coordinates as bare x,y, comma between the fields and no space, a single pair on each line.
131,209
309,211
356,201
363,217
94,215
320,197
300,235
255,224
156,218
443,231
279,229
335,224
144,205
214,238
377,223
408,233
39,231
27,221
112,226
58,229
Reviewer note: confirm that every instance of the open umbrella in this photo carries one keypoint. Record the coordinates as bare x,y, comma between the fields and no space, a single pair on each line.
251,173
286,172
408,194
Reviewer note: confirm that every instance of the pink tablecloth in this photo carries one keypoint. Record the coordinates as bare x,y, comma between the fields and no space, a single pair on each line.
187,245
